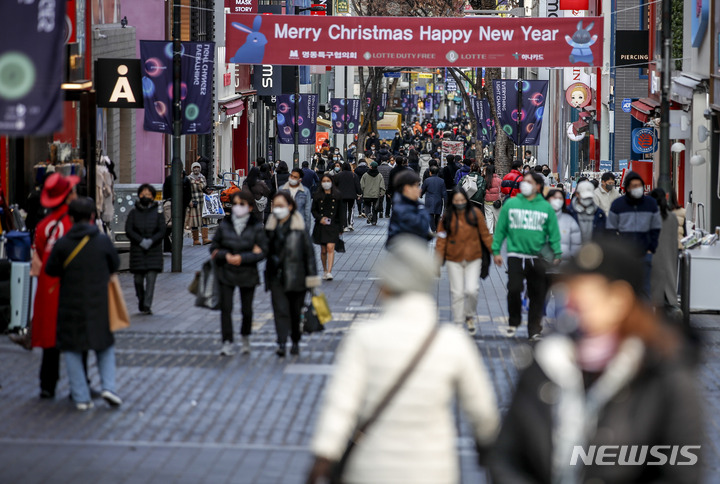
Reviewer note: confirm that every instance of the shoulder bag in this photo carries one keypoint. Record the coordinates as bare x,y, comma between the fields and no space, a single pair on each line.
362,429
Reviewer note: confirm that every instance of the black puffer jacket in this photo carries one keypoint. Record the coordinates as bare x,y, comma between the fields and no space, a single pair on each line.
348,184
227,241
145,223
82,321
291,258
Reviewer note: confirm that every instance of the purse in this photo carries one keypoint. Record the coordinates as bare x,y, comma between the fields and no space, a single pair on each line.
497,203
340,246
311,323
322,308
339,468
117,309
208,290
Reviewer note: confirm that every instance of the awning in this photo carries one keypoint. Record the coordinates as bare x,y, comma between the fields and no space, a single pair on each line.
232,107
644,109
685,84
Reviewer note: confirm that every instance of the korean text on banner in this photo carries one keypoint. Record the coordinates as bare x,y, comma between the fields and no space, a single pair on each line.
343,118
307,119
32,59
421,42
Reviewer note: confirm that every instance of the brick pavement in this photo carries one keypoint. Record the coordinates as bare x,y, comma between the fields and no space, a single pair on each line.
192,416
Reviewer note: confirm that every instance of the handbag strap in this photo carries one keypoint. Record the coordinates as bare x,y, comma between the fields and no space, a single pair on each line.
363,428
76,250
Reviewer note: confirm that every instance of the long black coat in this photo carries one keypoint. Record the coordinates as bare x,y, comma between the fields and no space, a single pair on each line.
348,184
291,257
227,241
145,223
82,321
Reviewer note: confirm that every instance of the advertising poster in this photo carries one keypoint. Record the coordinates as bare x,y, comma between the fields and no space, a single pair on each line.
32,62
520,107
452,148
306,121
197,75
419,42
343,118
485,124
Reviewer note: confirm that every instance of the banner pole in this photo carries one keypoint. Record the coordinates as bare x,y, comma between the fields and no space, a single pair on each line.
518,123
178,223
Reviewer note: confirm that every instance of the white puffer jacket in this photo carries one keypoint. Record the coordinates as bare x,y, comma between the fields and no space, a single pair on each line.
414,440
570,235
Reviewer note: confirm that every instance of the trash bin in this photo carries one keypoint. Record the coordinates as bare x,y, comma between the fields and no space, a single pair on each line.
17,246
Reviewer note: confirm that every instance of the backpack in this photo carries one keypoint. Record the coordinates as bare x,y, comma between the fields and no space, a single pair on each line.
470,185
226,194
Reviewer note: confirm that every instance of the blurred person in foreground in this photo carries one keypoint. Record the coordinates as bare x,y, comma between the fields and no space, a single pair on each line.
613,375
83,260
414,438
409,215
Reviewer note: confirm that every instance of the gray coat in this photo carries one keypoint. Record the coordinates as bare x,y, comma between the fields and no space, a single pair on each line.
664,272
570,236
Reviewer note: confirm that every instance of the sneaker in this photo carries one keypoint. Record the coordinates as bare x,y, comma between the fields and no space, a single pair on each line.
84,406
510,331
470,323
280,351
324,276
147,311
227,349
362,215
329,276
295,349
346,229
535,338
47,395
368,221
245,349
112,398
352,228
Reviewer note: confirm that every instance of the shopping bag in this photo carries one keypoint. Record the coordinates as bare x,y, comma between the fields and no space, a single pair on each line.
311,323
117,309
322,308
340,246
193,287
208,290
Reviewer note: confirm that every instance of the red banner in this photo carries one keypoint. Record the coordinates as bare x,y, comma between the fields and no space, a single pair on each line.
410,41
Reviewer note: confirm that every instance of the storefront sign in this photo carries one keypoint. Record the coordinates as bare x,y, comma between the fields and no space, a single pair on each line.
578,95
421,42
345,120
626,105
342,6
645,170
306,121
632,48
606,165
118,83
32,57
242,6
267,79
529,97
644,140
574,4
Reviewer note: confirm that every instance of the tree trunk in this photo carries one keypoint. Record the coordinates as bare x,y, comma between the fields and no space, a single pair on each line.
371,88
391,91
504,147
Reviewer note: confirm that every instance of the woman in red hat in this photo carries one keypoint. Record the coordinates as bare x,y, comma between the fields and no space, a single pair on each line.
56,195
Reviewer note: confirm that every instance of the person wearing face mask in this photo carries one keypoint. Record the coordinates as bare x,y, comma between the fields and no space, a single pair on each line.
606,193
570,236
464,243
636,219
327,210
237,247
528,222
613,377
145,228
348,184
590,217
290,270
301,195
195,220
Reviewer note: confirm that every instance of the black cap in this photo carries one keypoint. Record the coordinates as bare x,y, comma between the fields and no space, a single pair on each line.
630,176
609,257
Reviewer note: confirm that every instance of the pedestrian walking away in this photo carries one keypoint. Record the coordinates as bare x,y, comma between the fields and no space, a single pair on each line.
664,273
464,245
409,215
372,185
528,223
84,259
433,189
348,185
145,228
327,210
290,270
237,247
414,437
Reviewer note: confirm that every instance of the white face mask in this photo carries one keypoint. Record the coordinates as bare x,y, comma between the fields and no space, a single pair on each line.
240,210
526,188
327,185
281,213
586,202
557,204
293,182
637,192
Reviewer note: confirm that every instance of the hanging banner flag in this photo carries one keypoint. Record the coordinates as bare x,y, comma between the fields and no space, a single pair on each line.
306,121
429,104
32,62
420,42
528,98
405,104
381,106
414,98
343,118
438,99
196,85
485,124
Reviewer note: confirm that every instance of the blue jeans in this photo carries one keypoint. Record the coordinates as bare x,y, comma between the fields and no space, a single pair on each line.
78,383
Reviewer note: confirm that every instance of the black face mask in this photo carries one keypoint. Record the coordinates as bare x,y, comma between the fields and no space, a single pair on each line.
546,173
145,201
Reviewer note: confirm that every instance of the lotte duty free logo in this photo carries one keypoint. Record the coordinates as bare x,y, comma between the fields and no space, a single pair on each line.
644,140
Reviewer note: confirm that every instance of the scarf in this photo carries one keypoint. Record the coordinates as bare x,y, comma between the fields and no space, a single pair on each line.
239,223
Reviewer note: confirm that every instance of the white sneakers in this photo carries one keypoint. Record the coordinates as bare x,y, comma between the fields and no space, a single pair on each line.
227,349
470,323
84,406
245,348
112,398
327,276
510,331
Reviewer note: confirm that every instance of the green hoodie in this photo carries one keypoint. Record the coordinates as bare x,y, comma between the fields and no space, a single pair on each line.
528,225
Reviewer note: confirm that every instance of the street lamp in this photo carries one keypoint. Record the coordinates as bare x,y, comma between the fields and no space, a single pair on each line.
296,139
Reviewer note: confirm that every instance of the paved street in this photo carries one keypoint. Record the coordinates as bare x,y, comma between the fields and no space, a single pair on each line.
192,416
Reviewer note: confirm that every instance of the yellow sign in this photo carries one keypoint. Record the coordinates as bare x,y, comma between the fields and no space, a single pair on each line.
425,75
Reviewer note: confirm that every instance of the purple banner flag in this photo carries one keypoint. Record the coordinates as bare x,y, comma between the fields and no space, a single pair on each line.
345,116
32,60
485,124
195,86
307,118
405,106
520,107
429,102
414,104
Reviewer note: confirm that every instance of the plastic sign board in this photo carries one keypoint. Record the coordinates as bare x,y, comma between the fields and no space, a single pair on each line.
242,6
574,4
606,165
118,83
644,140
420,42
626,105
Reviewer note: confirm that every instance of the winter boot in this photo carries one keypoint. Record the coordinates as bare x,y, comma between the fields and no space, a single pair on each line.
196,238
205,239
